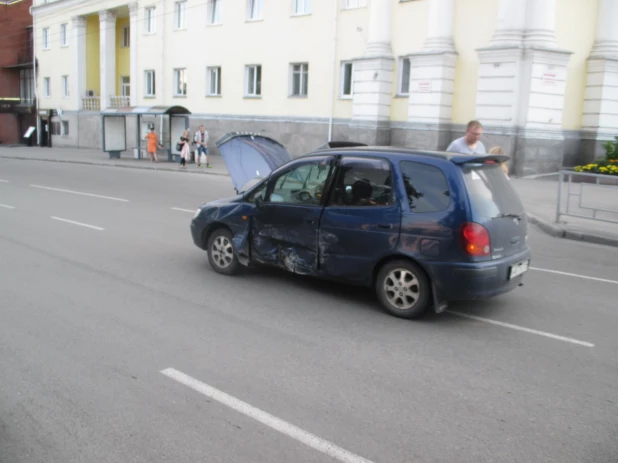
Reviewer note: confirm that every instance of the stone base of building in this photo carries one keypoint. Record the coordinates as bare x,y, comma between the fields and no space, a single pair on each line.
531,152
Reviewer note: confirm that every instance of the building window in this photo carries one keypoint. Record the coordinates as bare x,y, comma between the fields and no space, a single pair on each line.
150,25
351,4
26,86
180,82
404,76
301,7
214,81
65,128
65,86
347,79
64,37
149,83
180,15
46,38
46,87
126,37
253,79
214,12
125,86
300,77
55,128
254,9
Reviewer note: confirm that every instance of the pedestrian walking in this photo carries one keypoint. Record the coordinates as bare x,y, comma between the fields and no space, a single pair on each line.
185,148
201,139
153,142
470,143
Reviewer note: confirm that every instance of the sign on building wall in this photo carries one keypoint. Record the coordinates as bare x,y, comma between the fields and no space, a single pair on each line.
424,86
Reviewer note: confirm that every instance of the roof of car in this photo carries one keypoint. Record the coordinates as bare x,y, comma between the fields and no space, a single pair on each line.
388,150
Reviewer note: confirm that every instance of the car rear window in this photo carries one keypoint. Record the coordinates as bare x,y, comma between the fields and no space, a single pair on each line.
490,191
426,187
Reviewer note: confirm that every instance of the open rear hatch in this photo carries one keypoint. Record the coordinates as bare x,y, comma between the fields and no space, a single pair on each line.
495,204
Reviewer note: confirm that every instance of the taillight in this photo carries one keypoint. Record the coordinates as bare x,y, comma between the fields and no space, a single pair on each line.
475,239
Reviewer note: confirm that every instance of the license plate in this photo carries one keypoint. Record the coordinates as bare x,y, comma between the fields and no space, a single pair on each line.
519,268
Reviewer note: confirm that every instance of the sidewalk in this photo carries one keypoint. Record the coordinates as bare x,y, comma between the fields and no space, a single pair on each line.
538,195
99,158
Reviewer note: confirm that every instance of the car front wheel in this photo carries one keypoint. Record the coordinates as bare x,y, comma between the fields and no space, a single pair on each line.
403,289
221,253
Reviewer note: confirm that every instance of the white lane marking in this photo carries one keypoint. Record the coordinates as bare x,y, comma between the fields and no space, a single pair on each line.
269,420
7,207
79,193
183,210
522,328
4,181
602,280
78,223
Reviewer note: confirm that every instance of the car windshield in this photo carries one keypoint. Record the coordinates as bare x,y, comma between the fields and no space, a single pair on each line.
491,192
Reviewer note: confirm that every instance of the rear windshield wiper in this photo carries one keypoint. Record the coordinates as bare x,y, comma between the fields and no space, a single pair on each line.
513,215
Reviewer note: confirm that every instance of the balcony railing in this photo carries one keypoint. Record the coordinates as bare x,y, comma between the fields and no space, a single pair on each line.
91,103
119,101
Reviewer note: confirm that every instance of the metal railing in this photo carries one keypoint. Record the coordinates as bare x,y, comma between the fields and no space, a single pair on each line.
91,103
584,180
119,101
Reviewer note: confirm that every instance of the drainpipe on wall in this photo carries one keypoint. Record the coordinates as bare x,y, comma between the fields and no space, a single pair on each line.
35,80
334,72
163,64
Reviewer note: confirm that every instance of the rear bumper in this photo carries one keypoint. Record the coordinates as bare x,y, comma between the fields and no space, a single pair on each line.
464,281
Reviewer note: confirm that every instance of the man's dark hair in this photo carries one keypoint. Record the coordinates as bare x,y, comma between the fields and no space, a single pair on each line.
473,124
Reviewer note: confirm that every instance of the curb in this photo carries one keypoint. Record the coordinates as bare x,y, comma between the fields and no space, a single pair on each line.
123,166
561,232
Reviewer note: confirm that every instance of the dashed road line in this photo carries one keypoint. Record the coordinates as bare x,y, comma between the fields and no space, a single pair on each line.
78,223
522,328
265,418
575,275
7,207
183,210
79,193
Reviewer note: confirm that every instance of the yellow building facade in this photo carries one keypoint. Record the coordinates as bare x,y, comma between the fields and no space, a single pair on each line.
539,74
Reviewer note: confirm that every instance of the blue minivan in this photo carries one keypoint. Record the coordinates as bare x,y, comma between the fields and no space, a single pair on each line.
421,228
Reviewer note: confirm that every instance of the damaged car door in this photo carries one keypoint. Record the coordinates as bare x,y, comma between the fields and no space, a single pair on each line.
361,222
284,230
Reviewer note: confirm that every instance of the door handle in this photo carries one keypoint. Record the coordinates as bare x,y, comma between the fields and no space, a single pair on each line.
387,226
309,220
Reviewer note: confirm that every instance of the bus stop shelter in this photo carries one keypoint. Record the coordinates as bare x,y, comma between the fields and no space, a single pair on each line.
171,122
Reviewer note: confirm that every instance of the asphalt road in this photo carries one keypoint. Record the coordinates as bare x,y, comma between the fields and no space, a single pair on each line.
90,317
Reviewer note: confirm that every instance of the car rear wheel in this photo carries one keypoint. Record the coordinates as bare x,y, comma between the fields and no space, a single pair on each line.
221,253
403,289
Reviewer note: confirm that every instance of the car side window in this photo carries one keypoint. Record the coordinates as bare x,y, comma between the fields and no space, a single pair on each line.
258,193
302,185
426,187
363,182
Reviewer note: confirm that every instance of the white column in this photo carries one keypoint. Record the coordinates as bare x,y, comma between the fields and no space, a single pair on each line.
541,24
432,71
601,101
133,52
440,26
510,23
606,43
380,19
78,30
107,24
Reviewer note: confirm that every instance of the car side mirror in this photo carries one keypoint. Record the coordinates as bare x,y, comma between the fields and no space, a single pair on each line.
259,202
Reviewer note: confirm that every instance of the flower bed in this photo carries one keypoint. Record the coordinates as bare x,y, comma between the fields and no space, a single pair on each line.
607,166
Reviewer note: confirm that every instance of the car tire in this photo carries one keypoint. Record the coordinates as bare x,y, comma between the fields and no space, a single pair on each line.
403,289
221,253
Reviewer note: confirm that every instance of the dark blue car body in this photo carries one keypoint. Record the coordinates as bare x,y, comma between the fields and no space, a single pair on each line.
351,244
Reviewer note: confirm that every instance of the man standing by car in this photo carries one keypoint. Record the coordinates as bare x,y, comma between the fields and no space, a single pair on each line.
470,143
201,138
